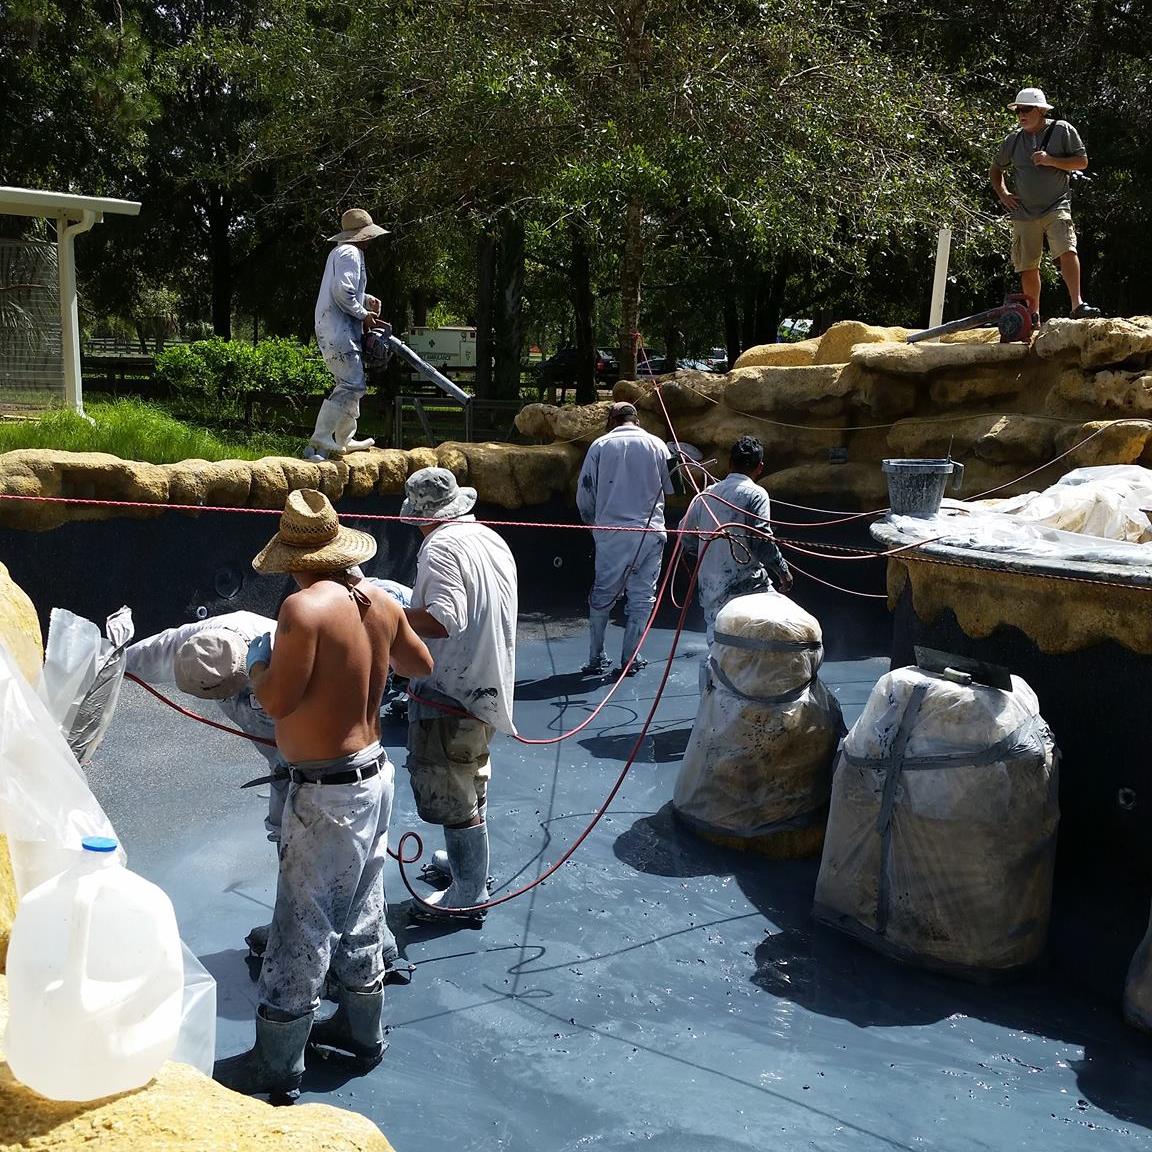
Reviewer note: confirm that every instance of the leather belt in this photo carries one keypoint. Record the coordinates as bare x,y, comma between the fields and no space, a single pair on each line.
354,776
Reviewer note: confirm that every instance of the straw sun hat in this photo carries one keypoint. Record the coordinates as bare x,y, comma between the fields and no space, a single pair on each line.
357,225
312,539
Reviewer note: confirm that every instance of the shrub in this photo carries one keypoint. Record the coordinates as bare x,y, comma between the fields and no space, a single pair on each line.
224,370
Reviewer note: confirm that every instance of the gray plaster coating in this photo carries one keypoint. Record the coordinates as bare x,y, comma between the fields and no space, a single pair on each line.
658,992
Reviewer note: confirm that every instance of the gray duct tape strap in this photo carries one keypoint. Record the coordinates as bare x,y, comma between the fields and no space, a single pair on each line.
790,823
1026,742
784,697
751,644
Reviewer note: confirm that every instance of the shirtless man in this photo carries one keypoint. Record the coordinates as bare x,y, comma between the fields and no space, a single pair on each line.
335,639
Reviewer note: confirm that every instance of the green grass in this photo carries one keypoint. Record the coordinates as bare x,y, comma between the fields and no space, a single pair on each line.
134,430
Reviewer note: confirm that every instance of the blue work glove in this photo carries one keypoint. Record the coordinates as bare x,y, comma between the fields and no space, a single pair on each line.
259,651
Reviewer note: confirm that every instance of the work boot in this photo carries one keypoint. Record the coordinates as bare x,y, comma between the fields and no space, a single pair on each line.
274,1065
257,940
355,1029
1084,311
467,852
344,428
598,662
634,625
323,442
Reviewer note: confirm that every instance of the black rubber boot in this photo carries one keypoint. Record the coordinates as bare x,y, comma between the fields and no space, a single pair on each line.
356,1029
274,1065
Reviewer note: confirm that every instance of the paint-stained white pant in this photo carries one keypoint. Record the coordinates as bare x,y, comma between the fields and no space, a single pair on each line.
330,905
626,563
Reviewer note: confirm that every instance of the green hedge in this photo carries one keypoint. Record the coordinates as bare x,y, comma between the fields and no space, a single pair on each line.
224,370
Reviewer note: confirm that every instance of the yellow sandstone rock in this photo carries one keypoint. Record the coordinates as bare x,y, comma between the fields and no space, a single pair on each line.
837,343
1096,343
179,1111
779,355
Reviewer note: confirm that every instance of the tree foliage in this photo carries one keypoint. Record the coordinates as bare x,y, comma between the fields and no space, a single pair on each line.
683,171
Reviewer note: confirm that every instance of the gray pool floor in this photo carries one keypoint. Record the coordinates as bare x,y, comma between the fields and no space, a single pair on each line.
657,992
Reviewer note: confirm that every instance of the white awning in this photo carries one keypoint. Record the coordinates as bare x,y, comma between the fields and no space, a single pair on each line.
33,202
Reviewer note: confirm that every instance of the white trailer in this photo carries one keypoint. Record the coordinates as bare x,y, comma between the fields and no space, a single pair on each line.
445,348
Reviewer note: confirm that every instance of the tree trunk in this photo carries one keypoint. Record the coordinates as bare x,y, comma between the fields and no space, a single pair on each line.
485,290
220,259
584,309
631,271
509,327
419,308
732,325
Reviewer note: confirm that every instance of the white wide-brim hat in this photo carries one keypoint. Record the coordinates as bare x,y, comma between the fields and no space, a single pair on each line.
1030,98
210,665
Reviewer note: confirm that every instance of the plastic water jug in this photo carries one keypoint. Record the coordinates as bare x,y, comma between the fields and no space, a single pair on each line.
95,980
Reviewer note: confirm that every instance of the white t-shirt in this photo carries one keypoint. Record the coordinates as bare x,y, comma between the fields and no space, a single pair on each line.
624,479
466,580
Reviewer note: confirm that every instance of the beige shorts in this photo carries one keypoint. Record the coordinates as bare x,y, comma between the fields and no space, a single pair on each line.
1028,239
450,768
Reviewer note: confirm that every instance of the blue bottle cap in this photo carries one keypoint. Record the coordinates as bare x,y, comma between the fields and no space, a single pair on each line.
99,844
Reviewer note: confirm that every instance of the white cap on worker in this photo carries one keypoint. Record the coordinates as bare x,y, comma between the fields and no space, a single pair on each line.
1030,98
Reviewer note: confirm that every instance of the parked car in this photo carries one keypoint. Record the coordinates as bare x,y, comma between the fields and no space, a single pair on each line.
650,364
559,370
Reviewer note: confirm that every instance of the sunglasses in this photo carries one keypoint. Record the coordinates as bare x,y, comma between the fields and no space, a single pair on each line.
1025,111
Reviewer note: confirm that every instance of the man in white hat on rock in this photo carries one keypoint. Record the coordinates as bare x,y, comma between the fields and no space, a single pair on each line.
1041,154
336,637
344,313
464,604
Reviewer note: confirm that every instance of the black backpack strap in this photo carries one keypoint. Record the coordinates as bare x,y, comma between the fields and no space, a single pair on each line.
1047,136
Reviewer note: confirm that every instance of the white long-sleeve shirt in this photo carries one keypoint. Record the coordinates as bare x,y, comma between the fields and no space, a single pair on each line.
340,313
466,579
750,563
624,479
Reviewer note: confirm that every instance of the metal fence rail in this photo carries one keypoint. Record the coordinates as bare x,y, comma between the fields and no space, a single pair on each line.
428,420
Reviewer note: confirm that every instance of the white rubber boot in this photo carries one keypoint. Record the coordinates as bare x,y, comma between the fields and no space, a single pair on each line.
598,662
323,442
344,431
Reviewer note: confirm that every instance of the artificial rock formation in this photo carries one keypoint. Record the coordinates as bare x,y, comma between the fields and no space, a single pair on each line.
828,411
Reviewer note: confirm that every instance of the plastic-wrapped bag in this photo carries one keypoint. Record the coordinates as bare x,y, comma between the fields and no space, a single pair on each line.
46,811
758,767
83,672
942,828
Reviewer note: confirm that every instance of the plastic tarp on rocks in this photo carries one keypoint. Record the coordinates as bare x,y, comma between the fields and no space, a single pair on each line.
942,829
759,761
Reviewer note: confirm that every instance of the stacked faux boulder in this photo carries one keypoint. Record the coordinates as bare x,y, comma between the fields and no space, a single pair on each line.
758,767
861,390
941,834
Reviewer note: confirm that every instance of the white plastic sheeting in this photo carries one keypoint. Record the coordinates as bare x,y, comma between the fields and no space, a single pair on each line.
46,810
1092,515
941,835
759,760
83,672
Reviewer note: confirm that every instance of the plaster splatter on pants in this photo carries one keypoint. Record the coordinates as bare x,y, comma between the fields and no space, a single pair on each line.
627,565
330,904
